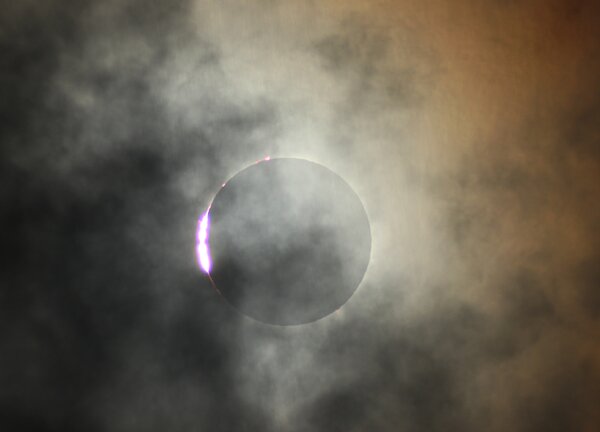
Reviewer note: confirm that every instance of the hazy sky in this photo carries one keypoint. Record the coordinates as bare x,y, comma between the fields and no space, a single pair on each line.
470,130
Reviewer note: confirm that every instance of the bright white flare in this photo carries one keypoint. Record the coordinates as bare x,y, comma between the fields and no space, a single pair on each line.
202,251
202,243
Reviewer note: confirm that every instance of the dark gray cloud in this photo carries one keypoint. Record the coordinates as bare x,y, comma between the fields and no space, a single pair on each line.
106,323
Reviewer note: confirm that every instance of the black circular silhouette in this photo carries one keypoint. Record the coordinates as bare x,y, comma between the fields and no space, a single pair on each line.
289,240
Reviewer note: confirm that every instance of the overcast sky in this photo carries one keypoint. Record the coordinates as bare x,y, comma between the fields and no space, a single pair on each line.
469,129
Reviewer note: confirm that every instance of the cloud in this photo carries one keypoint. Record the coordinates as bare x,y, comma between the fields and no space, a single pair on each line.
470,134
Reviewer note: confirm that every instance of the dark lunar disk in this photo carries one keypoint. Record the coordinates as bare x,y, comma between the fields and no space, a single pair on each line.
290,241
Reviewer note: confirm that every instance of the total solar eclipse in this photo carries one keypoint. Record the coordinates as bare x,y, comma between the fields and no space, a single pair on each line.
285,241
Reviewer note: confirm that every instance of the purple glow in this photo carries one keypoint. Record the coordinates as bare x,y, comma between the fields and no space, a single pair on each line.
202,243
